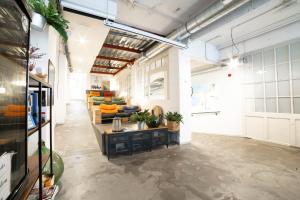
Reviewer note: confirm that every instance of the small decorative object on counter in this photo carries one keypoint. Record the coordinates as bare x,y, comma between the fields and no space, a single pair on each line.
116,124
140,118
153,121
173,120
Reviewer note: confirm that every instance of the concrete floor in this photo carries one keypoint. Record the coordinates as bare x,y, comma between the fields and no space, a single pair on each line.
212,167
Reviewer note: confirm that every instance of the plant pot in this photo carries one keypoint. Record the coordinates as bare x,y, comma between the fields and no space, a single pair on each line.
172,125
153,124
141,125
38,21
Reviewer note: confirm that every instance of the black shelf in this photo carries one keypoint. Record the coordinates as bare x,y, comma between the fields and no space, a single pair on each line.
33,174
34,81
34,130
37,163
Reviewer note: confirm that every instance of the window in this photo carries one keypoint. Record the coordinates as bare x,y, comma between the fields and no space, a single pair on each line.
272,79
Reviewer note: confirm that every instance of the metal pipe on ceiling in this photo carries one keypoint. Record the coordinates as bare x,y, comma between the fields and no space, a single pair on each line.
67,52
210,15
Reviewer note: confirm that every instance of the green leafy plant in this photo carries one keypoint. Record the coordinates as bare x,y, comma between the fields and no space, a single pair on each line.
174,117
51,14
140,116
152,121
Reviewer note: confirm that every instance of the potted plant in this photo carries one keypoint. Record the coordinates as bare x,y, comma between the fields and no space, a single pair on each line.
173,120
140,118
152,121
48,13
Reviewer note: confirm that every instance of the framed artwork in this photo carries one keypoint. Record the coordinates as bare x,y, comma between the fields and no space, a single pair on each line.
157,86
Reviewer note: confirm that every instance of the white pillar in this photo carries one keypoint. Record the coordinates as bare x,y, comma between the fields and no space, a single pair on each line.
180,88
60,103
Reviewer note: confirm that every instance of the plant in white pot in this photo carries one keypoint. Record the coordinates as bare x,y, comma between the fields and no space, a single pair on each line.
48,13
140,118
173,120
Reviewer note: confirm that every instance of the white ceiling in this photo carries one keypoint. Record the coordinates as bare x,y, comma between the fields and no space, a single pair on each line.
159,16
246,25
86,37
252,22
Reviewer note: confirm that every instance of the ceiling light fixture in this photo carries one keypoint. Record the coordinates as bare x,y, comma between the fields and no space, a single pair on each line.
146,34
225,2
234,62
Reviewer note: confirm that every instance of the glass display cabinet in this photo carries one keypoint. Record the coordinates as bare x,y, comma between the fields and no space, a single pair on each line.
14,40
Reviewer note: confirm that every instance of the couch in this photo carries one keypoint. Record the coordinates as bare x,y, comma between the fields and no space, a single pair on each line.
105,113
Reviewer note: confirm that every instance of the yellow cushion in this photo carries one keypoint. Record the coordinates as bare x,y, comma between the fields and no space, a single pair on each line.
108,107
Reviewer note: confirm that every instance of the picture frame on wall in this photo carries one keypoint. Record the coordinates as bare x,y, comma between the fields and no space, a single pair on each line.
51,79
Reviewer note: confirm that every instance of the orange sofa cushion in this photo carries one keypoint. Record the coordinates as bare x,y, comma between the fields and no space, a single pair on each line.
94,94
108,109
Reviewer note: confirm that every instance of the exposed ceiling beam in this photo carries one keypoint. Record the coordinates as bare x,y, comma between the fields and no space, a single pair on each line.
123,67
105,67
116,59
112,46
95,72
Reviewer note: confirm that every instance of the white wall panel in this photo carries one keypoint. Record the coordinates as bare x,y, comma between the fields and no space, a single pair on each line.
279,130
297,142
255,127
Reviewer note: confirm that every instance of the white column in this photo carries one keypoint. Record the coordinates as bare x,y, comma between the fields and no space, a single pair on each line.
60,104
180,89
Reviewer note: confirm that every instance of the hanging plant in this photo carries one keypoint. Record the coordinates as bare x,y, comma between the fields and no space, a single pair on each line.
51,14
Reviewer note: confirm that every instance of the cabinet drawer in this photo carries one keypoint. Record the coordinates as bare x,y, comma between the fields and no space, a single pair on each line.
118,138
141,136
159,134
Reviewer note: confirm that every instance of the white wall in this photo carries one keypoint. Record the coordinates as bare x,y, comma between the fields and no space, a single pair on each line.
229,92
78,83
97,79
61,94
48,42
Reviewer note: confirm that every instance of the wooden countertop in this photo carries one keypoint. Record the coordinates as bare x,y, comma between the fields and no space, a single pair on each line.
107,128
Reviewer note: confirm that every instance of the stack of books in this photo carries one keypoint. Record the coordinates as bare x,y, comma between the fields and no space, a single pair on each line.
49,193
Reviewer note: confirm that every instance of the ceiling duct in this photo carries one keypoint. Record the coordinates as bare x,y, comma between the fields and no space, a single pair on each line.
210,15
67,52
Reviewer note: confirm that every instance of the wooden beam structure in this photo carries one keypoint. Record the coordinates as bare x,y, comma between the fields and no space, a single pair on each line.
123,67
115,59
112,46
95,72
105,67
